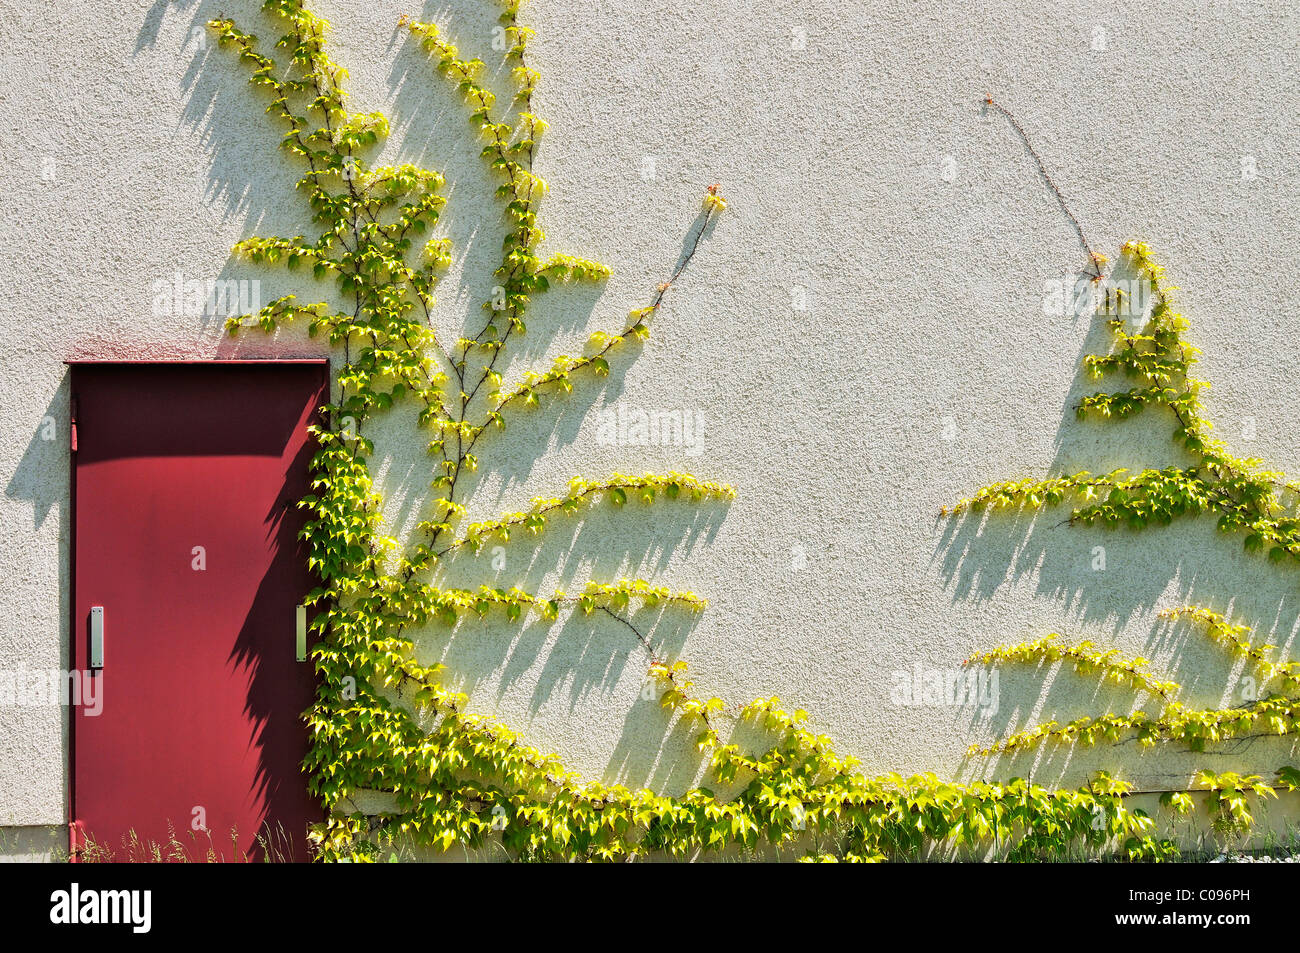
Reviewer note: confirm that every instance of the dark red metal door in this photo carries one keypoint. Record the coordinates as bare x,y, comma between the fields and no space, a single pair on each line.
185,480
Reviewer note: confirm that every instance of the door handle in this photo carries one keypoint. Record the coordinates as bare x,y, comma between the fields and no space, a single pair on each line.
96,636
302,634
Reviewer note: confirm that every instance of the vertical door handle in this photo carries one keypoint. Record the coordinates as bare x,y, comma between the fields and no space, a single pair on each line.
96,636
302,634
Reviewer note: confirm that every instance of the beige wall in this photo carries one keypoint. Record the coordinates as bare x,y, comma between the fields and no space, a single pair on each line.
866,186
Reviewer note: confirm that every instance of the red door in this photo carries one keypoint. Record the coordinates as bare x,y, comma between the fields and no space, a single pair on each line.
187,575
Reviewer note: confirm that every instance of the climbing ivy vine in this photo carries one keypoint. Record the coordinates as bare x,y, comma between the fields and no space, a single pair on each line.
384,722
1248,500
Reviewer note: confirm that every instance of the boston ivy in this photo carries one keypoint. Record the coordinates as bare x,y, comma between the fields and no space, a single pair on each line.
383,721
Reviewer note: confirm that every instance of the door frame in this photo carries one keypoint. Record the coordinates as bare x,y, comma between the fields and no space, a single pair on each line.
76,648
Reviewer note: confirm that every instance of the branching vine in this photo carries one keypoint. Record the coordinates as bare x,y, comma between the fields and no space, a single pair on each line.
1248,500
384,722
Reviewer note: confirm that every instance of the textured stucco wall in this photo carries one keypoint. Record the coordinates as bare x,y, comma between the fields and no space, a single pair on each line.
866,185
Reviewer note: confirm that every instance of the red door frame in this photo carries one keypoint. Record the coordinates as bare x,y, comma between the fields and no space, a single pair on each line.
76,649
